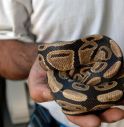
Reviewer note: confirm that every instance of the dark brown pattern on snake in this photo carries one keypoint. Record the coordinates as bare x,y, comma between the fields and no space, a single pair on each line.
84,75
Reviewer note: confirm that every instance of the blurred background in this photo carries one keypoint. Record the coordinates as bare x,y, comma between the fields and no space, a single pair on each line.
16,106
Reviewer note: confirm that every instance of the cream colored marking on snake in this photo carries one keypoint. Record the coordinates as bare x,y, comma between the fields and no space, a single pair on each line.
101,54
80,86
75,96
106,86
84,54
98,67
42,62
112,70
94,81
53,83
115,48
69,106
111,96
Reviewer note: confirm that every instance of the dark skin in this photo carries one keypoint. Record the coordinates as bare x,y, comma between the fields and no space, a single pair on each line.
16,60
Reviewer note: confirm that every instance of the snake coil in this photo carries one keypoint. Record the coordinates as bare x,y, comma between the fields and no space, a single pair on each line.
84,75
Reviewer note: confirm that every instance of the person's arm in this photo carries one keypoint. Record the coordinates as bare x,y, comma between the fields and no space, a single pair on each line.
16,58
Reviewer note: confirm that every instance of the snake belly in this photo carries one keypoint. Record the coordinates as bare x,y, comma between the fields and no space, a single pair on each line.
84,75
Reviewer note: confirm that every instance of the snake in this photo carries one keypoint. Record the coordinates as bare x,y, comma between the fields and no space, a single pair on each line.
85,75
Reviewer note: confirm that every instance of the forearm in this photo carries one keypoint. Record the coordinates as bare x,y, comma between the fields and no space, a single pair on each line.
16,58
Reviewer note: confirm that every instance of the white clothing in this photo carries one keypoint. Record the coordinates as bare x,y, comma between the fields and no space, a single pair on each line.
54,20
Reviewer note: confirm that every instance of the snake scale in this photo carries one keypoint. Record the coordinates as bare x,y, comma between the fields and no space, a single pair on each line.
84,75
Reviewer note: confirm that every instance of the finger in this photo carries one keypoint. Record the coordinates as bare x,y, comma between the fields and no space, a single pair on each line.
112,115
85,121
40,93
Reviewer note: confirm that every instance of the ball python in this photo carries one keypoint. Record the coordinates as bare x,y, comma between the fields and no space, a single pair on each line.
84,75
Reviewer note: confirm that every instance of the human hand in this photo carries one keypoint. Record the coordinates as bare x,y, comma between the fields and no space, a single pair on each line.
40,92
109,116
37,83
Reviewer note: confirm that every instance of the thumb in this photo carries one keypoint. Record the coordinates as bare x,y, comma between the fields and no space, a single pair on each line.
38,86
